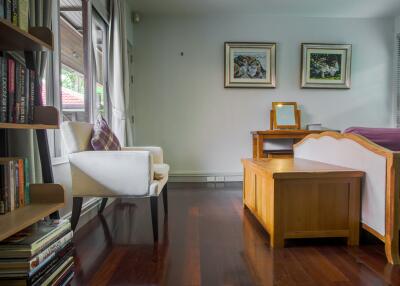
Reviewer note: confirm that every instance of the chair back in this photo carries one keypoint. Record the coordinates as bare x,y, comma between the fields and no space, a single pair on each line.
77,136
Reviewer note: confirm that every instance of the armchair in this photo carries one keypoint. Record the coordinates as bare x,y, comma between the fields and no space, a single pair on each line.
133,172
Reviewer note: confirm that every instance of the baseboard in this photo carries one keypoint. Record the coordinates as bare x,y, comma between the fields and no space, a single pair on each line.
194,177
89,211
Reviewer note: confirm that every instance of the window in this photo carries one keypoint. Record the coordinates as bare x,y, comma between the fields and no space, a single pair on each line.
100,68
71,96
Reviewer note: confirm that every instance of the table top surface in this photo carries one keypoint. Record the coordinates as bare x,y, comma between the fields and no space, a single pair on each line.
287,132
295,167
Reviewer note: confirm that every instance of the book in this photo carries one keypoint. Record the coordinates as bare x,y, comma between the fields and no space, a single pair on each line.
12,187
2,7
52,272
26,96
11,88
58,270
21,183
33,239
31,267
3,89
14,12
19,92
7,9
27,183
2,190
32,91
23,10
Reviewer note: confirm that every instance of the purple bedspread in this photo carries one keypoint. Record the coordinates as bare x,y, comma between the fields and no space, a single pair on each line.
385,137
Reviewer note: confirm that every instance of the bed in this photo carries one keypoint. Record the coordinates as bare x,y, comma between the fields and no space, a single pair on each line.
380,187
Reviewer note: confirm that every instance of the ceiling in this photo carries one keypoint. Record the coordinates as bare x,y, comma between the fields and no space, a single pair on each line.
306,8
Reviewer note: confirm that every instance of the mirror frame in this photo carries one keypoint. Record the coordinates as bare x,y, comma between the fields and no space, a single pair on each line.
275,124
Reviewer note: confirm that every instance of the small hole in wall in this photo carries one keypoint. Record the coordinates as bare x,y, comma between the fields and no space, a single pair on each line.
182,54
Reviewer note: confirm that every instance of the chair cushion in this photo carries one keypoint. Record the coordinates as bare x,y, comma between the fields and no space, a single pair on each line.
77,136
103,138
160,171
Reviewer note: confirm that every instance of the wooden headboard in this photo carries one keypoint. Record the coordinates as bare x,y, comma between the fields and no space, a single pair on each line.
380,190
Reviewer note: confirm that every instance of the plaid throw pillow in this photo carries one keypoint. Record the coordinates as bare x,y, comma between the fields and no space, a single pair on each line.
103,139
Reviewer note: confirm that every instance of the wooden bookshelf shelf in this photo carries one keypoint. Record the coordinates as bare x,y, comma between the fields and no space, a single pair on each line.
45,200
13,38
45,117
26,126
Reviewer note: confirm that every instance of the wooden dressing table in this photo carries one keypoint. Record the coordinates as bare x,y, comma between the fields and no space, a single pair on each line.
259,137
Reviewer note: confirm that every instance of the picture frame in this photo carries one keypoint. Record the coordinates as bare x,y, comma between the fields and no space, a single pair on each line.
285,115
326,66
250,65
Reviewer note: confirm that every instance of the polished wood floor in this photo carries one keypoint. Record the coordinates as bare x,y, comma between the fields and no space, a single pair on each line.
209,239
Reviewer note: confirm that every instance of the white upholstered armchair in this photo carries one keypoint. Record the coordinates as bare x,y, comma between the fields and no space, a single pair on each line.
131,172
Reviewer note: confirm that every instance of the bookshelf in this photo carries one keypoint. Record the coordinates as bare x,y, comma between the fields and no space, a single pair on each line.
47,198
44,117
13,38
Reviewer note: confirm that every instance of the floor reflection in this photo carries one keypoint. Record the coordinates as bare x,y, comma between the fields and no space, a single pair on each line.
209,239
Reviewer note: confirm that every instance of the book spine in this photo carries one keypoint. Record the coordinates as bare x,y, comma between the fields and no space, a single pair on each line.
3,89
11,88
16,189
23,8
41,244
22,98
26,95
32,76
26,173
11,197
21,183
18,95
7,10
50,251
2,190
14,12
7,189
2,9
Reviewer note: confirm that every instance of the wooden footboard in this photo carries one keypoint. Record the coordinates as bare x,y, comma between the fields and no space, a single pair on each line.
380,192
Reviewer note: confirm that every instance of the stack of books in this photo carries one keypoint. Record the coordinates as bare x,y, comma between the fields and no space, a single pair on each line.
14,184
41,254
15,11
18,89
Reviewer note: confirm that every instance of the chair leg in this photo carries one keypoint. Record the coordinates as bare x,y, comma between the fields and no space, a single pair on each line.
76,211
154,216
103,205
165,198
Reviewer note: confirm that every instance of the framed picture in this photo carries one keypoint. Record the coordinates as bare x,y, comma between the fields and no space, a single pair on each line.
325,66
250,65
285,115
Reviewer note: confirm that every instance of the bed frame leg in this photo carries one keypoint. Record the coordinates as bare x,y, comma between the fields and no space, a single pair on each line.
392,211
392,250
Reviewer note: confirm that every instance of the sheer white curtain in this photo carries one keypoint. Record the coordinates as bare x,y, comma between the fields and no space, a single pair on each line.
119,73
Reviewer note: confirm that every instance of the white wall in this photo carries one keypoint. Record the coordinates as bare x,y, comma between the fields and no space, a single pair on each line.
181,105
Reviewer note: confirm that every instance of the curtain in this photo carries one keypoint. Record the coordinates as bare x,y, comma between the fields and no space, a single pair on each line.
24,142
119,73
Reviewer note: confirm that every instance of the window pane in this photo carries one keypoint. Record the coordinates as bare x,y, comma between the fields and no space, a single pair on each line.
73,102
99,42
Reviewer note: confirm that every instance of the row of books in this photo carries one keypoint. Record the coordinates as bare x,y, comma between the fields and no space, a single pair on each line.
15,11
41,254
14,184
18,88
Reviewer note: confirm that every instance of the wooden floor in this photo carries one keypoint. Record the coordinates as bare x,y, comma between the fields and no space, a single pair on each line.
209,239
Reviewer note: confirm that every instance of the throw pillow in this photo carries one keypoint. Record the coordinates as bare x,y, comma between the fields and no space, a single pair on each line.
103,139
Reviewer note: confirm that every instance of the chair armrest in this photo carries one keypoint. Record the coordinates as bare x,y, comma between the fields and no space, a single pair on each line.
111,173
157,152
